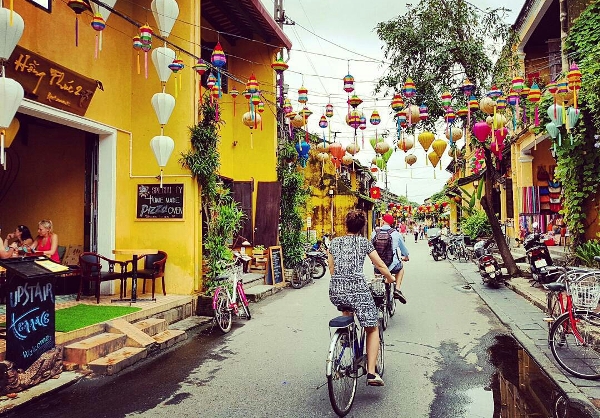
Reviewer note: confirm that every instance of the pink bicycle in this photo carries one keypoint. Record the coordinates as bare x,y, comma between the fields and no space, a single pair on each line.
227,303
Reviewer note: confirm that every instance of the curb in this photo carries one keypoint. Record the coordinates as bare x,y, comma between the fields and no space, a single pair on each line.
579,400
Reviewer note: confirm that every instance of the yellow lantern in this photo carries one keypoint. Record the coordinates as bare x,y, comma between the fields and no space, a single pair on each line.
487,105
434,158
439,146
426,138
500,120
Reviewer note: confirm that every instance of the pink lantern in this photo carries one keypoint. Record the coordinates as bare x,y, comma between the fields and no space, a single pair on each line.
482,130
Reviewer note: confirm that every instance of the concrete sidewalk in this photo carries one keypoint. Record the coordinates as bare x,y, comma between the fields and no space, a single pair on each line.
524,317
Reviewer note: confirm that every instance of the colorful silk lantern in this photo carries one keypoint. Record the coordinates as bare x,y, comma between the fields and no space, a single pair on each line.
78,6
439,146
397,102
501,103
323,122
211,80
375,118
287,107
481,130
348,83
137,45
517,84
534,96
467,88
329,110
354,101
473,104
218,60
176,66
250,119
279,66
146,39
446,99
409,90
201,67
252,84
354,119
303,149
574,80
487,105
98,24
462,113
423,112
302,95
495,92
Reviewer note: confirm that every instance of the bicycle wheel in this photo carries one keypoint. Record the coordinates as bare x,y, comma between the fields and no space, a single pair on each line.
391,301
222,311
243,303
451,252
306,271
384,315
341,376
380,366
298,276
575,348
318,268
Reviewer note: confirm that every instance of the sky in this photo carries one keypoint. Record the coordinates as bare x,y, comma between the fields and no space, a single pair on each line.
331,39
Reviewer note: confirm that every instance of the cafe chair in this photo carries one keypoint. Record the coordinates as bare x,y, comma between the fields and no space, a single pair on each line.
92,271
154,268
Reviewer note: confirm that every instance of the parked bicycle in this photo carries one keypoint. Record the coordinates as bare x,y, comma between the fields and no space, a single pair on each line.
574,336
302,274
347,358
457,249
227,303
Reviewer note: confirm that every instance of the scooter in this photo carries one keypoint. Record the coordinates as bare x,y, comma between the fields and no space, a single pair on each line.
438,247
489,269
540,262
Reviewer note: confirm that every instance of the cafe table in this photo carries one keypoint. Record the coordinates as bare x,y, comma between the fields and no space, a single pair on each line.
136,253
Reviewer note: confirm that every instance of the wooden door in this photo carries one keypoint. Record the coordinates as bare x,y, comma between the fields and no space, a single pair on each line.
242,193
267,213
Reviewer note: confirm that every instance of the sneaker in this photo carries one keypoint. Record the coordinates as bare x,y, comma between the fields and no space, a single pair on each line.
373,379
398,295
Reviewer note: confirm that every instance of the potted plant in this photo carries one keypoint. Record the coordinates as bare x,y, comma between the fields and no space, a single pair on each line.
259,251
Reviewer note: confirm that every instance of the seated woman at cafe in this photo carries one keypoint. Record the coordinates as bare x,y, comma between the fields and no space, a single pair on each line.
21,237
4,253
46,241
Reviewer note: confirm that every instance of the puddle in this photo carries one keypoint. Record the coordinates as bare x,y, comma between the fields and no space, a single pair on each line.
518,387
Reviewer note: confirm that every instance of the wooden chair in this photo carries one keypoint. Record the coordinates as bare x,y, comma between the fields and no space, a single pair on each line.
91,271
154,268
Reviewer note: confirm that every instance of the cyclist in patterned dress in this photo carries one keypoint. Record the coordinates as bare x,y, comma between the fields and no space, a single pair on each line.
348,286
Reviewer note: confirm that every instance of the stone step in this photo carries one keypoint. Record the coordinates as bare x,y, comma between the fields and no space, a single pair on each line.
151,326
135,336
118,360
252,279
92,348
261,291
169,337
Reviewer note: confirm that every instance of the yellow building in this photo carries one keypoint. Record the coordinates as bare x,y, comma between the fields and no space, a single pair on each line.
82,156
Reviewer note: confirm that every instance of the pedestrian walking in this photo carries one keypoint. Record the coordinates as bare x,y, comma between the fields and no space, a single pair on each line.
348,286
416,232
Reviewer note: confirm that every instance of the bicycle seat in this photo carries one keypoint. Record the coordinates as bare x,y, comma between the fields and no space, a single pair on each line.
555,287
313,253
341,321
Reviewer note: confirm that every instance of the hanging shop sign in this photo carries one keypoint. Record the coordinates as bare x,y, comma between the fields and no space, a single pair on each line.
49,83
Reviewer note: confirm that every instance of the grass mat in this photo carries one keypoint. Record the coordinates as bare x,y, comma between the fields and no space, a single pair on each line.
80,316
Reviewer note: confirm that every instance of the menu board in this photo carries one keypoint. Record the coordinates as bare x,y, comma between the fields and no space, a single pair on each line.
275,273
156,202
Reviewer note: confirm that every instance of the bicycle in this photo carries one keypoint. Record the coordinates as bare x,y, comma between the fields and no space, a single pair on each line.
347,358
302,274
575,335
226,303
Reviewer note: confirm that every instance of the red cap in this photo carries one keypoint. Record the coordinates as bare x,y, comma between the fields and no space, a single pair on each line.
388,219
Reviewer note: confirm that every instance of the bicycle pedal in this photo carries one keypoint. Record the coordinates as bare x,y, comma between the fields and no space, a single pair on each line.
548,319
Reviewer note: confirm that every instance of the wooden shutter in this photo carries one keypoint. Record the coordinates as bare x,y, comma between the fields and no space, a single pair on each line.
267,213
242,193
509,199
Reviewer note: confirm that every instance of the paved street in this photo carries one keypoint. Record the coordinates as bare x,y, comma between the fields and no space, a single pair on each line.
273,365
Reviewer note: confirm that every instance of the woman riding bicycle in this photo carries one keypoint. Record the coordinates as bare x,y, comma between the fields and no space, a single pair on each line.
348,286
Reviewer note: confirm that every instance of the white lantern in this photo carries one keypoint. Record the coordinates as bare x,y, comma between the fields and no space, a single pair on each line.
103,11
9,33
555,113
11,95
163,104
162,146
161,58
165,13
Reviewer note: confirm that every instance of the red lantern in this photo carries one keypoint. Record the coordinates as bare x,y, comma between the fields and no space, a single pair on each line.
375,192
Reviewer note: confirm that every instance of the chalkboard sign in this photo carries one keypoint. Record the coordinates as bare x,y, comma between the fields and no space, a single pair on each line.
275,273
29,312
164,202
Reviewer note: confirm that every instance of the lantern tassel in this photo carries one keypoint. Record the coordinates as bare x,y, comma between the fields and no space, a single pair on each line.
161,178
575,98
100,41
11,15
200,87
76,30
234,107
176,89
146,64
536,117
2,156
251,140
138,63
96,48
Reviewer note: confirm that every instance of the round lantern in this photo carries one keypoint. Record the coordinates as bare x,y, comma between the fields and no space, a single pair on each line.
487,104
329,110
348,83
11,27
352,149
250,119
163,104
323,156
302,95
423,112
323,147
397,103
200,67
453,134
409,89
347,160
462,113
482,130
446,99
303,149
211,80
426,138
473,104
382,147
518,84
375,118
323,122
468,88
495,92
354,119
298,121
354,101
252,84
500,103
98,23
500,120
413,114
574,77
406,143
305,112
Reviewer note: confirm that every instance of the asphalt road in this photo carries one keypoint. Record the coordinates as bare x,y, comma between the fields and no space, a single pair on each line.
274,365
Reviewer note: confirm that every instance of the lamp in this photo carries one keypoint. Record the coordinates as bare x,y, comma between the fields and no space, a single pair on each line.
476,183
330,192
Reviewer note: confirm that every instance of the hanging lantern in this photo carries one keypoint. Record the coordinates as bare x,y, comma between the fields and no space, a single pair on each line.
518,84
574,80
146,34
302,95
494,93
11,28
381,147
534,96
363,123
467,88
287,107
329,110
279,65
137,45
354,101
354,119
162,57
482,130
446,99
423,112
453,135
352,149
323,147
405,143
375,118
555,113
496,120
176,66
513,98
162,147
572,116
218,60
410,159
163,104
211,80
303,149
413,113
487,105
78,6
439,146
462,113
323,122
450,116
525,91
433,158
375,192
98,24
337,153
252,84
348,83
473,104
501,103
347,160
397,103
298,121
409,90
401,118
11,96
165,14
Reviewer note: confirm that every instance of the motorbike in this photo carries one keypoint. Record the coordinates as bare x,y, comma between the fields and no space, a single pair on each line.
318,263
540,263
438,247
488,266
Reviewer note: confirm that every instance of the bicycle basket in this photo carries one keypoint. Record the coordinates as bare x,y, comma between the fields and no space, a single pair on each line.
585,294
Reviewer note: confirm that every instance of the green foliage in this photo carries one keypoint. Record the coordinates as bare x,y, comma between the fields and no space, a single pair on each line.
476,225
464,35
587,251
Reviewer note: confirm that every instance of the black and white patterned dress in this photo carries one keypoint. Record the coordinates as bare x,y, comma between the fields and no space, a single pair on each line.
348,286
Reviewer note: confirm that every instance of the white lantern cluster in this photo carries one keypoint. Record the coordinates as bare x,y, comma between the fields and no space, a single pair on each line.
165,13
11,92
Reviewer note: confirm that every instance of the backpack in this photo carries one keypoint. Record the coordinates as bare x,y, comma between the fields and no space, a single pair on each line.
382,241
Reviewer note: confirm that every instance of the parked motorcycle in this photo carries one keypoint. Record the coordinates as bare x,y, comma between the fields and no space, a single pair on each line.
318,263
488,266
438,247
540,263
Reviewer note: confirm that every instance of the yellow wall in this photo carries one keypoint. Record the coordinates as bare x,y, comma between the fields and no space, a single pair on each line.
125,104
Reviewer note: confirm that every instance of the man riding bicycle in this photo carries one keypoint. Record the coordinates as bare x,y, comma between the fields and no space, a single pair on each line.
399,252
